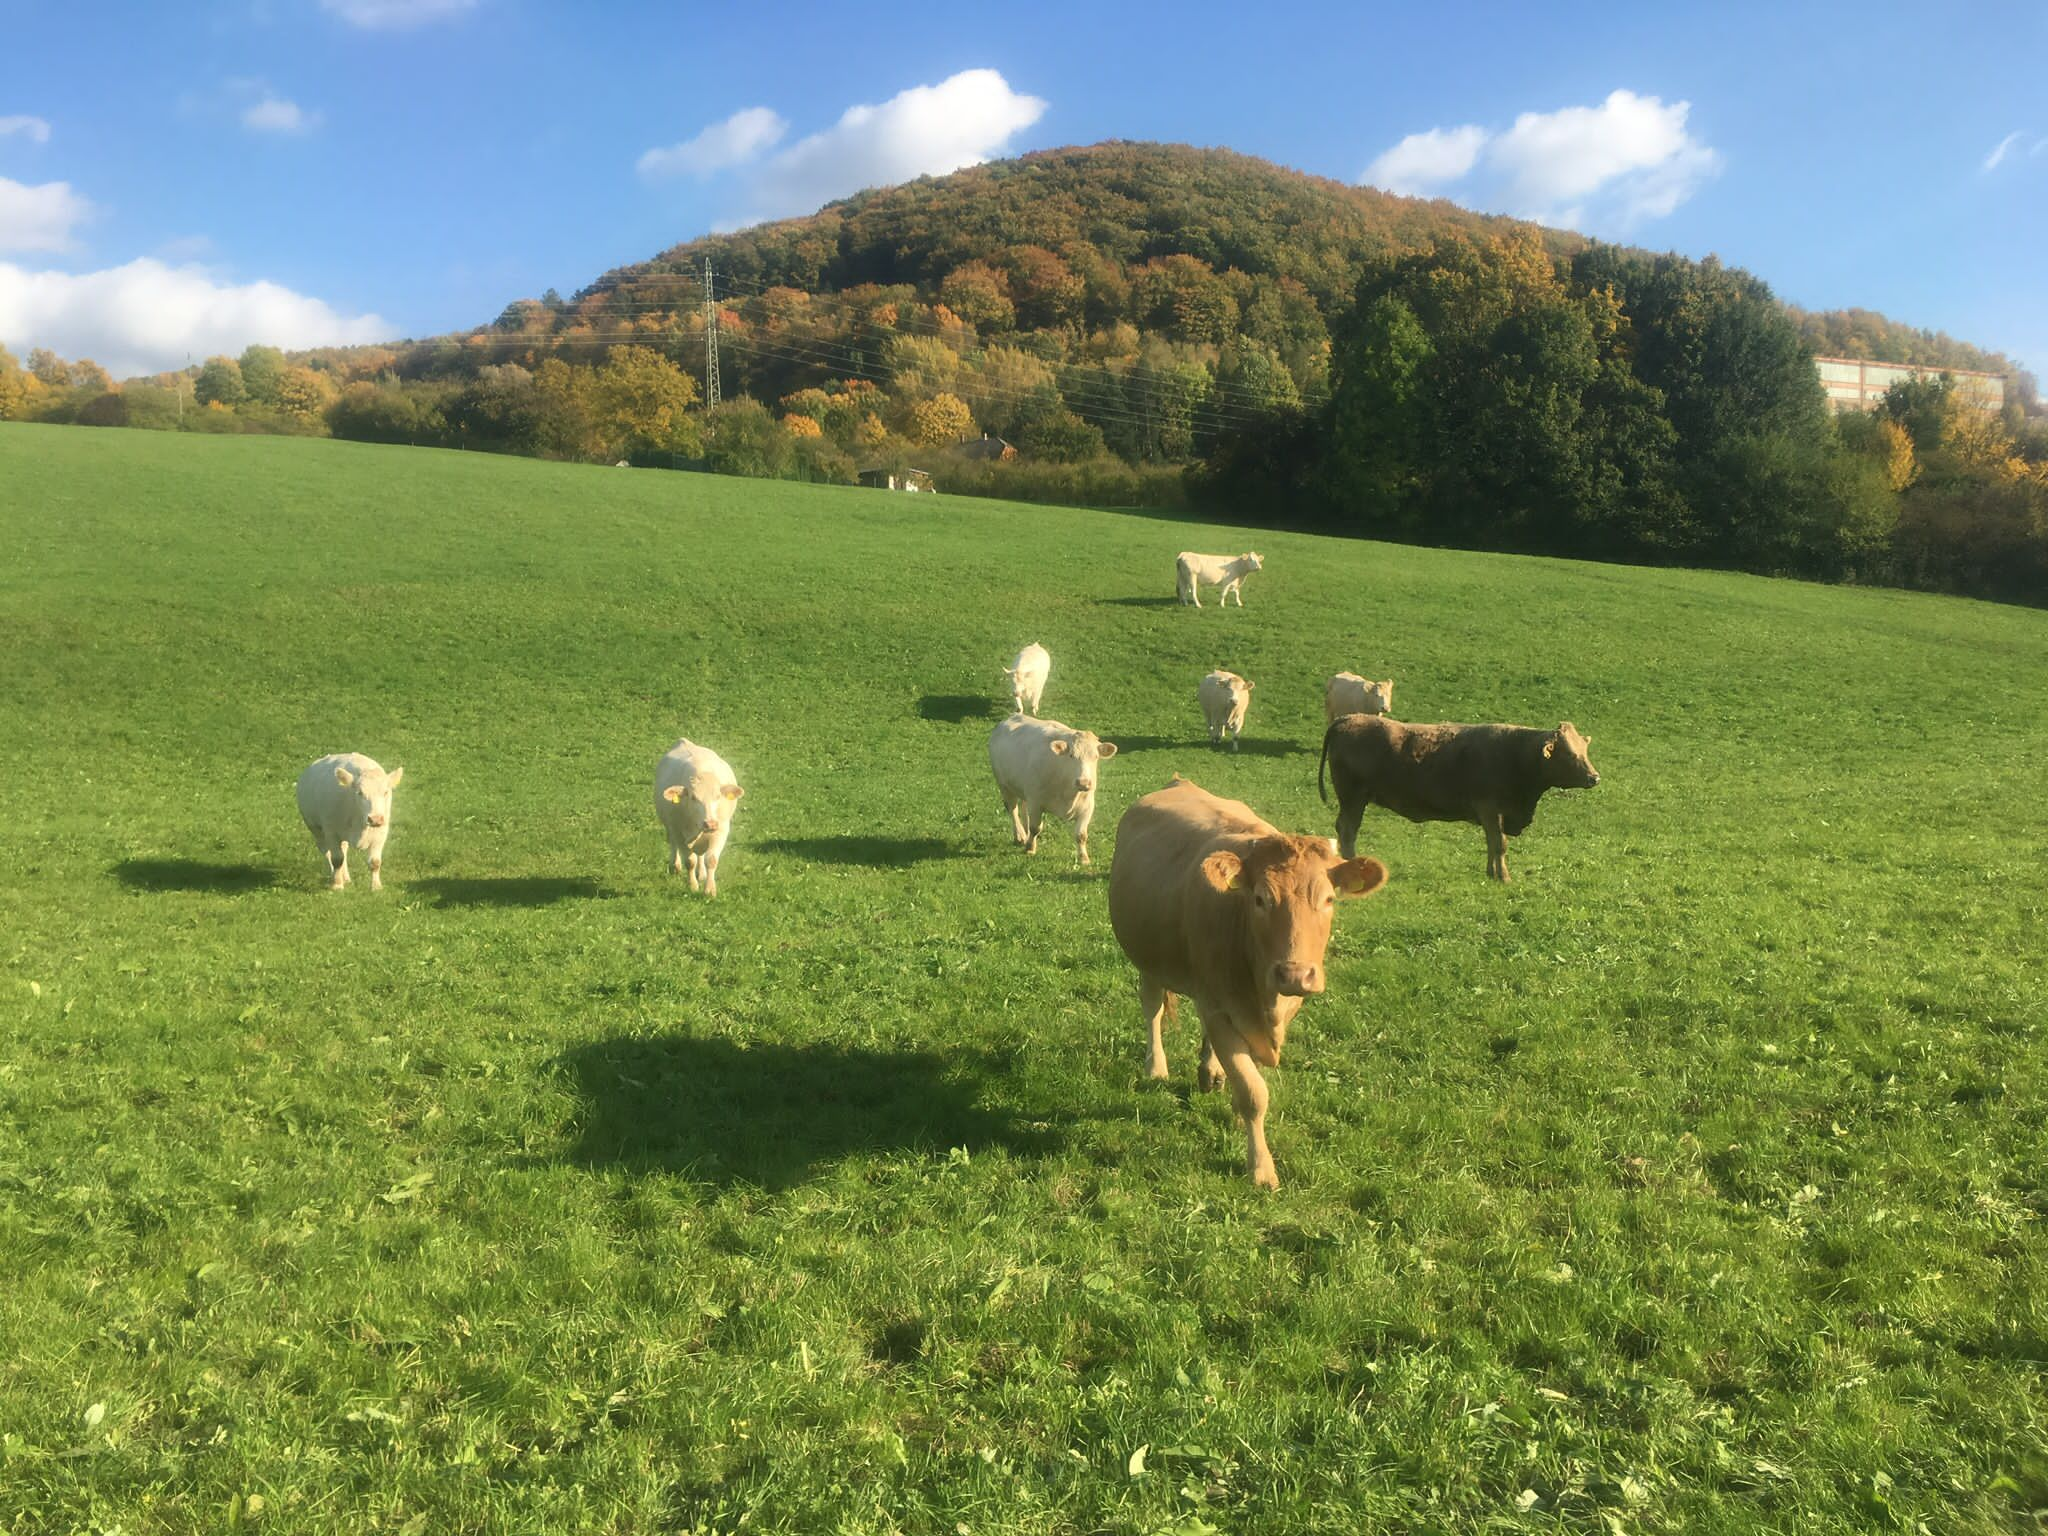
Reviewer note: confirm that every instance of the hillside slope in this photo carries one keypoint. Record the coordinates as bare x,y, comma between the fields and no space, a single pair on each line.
1692,1180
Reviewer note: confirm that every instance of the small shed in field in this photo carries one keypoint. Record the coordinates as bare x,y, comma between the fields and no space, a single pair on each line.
897,479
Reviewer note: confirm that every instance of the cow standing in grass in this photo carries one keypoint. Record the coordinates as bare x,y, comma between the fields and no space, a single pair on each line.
1044,767
345,801
1490,775
1027,675
1225,696
1192,572
695,795
1211,902
1347,693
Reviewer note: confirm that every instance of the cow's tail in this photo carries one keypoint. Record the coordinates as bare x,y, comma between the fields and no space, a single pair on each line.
1323,794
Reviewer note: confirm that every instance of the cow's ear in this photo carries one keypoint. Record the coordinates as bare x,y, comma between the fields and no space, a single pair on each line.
673,794
394,776
1107,749
1224,871
1059,744
1357,877
733,791
1550,746
343,777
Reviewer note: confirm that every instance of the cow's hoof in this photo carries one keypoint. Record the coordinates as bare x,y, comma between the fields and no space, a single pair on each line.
1210,1081
1265,1178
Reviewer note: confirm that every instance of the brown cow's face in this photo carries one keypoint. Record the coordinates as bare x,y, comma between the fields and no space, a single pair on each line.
1565,757
1290,888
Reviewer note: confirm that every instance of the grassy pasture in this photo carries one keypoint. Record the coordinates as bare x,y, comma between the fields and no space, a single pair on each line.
1693,1182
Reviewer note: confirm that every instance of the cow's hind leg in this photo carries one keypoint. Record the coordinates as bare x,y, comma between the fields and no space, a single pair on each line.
1014,806
1208,1070
1155,1002
1349,814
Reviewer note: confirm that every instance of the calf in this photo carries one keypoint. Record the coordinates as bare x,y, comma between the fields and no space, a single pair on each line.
1349,694
1192,572
1027,677
1211,902
1491,775
695,795
1225,697
1041,766
345,801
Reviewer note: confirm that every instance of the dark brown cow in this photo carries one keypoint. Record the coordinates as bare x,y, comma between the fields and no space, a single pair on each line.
1211,902
1490,775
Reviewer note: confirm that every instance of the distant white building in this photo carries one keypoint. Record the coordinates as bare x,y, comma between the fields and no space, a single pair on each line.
1857,384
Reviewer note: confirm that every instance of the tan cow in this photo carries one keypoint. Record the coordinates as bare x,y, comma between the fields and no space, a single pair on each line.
1211,902
1225,696
1346,693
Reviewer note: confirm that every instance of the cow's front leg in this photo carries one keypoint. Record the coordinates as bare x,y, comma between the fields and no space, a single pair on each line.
1152,1003
710,874
1081,833
1037,815
1195,593
1348,818
1248,1093
338,860
1208,1070
1496,846
377,870
1016,809
696,870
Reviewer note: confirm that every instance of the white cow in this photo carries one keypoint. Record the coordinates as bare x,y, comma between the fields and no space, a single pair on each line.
1042,766
1192,572
1027,677
1349,694
1225,697
695,795
345,801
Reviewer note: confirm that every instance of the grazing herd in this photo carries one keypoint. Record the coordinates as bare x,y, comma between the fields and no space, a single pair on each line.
1207,900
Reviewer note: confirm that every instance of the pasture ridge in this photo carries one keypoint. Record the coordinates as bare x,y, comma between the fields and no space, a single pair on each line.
1693,1181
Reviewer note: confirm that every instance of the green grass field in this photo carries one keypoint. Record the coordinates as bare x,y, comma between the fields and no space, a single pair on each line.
1694,1182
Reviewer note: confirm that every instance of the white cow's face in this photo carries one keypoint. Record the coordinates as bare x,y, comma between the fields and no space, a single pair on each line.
1253,561
705,798
1081,753
1379,697
372,790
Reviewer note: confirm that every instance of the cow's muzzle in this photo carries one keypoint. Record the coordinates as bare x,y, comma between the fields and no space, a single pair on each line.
377,821
1297,980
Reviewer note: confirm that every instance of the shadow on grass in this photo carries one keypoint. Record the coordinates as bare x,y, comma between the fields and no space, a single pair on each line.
506,890
1140,602
958,708
193,875
1200,748
730,1112
870,852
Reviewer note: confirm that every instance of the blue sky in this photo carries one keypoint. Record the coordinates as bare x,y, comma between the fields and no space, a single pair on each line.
193,177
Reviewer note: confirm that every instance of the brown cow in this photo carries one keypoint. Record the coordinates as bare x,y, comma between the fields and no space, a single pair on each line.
1208,900
1490,775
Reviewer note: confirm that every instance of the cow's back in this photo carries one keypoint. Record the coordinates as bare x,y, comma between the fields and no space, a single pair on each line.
1440,772
1160,844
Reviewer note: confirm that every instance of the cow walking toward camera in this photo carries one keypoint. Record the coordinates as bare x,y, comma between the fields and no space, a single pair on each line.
695,795
1027,675
345,801
1192,572
1225,697
1210,902
1489,775
1043,767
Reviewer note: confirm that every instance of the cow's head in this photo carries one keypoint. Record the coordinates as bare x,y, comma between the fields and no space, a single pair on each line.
1080,751
1289,888
1565,763
1379,697
708,799
1253,562
372,789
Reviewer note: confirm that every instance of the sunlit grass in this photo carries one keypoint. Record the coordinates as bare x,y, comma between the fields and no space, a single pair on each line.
1692,1182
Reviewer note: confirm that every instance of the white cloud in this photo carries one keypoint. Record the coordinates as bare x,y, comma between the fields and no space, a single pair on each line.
39,218
740,138
273,114
146,316
395,15
927,130
34,127
1422,160
1629,159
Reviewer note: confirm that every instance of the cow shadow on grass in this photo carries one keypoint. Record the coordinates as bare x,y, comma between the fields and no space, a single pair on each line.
1199,749
193,875
870,852
506,890
958,708
1140,602
771,1115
